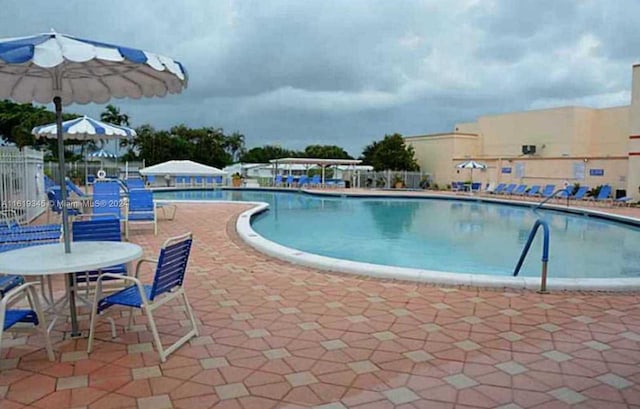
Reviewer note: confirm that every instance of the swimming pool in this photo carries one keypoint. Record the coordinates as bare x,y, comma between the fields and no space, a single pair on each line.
438,235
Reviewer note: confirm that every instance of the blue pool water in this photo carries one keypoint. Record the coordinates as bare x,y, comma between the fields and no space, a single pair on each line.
441,235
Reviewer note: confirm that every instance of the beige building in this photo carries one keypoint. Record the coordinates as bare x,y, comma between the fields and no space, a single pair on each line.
580,145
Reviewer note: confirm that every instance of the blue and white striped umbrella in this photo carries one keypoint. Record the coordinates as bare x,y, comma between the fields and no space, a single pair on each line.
471,164
102,154
85,128
44,66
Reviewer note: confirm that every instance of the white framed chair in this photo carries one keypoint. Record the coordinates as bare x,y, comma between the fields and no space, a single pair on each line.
167,285
141,209
10,316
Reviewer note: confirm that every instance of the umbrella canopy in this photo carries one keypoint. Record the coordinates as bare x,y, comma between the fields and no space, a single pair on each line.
41,67
102,154
471,164
84,129
181,168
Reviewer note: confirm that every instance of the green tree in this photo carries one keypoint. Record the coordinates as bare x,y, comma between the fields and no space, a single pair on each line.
390,153
112,115
264,154
234,145
325,152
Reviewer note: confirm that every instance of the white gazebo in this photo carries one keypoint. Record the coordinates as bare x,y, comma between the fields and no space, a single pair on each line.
323,163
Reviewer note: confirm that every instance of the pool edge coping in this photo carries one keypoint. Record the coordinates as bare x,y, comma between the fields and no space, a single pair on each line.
381,271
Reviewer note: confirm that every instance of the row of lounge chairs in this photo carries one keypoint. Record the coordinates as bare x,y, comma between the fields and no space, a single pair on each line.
314,181
195,181
548,191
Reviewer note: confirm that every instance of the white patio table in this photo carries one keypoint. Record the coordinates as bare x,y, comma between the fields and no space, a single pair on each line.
50,259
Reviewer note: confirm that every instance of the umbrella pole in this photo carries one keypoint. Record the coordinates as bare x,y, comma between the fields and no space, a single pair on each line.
63,186
57,101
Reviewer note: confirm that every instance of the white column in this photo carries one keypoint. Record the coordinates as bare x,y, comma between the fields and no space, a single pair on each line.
633,173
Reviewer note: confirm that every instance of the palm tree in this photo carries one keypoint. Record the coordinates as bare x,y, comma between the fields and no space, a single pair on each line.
112,115
234,145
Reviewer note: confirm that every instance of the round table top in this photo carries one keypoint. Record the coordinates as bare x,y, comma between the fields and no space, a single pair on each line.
51,259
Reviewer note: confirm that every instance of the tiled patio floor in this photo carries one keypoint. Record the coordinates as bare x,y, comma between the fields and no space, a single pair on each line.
278,335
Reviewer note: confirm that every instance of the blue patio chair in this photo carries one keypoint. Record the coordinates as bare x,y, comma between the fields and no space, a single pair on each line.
106,199
278,180
209,181
151,180
315,180
534,191
134,183
218,180
48,183
304,180
198,181
91,179
622,201
168,282
33,315
289,181
509,189
548,190
475,187
8,283
188,181
55,203
101,228
519,191
141,209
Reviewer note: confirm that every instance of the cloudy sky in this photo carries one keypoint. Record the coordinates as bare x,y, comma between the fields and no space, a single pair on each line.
346,72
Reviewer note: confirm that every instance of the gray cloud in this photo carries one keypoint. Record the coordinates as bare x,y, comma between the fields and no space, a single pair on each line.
347,72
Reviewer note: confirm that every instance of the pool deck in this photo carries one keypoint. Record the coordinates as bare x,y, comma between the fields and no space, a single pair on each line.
274,334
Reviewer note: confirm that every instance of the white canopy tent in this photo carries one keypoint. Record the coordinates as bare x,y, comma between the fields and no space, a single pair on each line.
181,168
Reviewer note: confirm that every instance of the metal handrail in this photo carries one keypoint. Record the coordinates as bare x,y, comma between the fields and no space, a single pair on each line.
554,194
545,252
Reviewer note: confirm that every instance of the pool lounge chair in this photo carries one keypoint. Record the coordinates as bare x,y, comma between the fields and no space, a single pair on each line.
580,193
106,199
315,181
289,182
498,189
277,181
622,201
134,183
533,191
604,195
168,280
55,203
475,187
141,209
32,315
548,190
519,191
71,187
304,180
509,189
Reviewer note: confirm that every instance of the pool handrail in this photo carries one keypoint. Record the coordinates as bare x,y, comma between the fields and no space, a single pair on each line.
545,252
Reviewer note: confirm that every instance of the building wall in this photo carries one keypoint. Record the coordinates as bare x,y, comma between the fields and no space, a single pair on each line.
570,142
633,138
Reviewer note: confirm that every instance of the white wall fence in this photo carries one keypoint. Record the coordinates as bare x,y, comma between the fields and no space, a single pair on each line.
22,183
77,170
388,179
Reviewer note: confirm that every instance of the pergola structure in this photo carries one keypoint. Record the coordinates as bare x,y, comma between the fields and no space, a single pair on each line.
323,163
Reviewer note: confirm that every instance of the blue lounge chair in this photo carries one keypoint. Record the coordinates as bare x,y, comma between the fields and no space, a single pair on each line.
457,186
315,181
277,181
499,189
141,209
622,201
8,283
475,187
509,189
519,191
580,193
71,187
304,180
218,180
48,183
198,181
534,191
548,190
32,315
603,196
55,202
151,180
167,284
290,180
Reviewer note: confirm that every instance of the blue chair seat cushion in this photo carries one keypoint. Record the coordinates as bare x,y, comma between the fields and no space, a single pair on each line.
129,297
7,283
13,317
140,216
92,276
